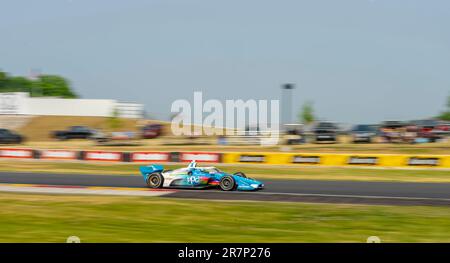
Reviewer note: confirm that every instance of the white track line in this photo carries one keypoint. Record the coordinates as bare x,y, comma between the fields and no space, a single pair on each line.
350,196
146,192
87,190
335,195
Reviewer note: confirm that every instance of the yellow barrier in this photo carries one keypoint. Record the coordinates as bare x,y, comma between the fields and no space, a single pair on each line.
350,159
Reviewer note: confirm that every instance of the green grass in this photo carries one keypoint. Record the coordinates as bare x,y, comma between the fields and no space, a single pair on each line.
293,172
52,218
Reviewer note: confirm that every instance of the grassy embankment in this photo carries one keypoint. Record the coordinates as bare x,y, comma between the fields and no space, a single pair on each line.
49,218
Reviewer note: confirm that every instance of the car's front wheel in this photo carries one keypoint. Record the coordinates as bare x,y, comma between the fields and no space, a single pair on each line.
155,180
227,183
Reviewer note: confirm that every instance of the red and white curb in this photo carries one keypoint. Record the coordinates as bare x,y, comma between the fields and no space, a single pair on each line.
88,190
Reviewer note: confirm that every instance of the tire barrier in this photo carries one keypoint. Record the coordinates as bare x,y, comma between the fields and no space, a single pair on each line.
294,159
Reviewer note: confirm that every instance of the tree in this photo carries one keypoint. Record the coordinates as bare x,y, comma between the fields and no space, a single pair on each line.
19,84
13,84
114,121
306,115
45,85
3,78
446,114
52,85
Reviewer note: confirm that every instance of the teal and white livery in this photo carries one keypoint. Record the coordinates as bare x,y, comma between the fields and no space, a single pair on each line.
193,176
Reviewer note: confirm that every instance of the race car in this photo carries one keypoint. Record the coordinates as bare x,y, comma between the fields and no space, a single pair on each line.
197,177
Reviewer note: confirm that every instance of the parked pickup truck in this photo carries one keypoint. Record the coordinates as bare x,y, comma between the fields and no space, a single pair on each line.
74,132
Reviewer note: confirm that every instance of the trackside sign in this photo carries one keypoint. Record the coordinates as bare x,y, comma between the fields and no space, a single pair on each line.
246,158
306,159
362,160
58,154
16,153
425,161
200,157
150,157
102,156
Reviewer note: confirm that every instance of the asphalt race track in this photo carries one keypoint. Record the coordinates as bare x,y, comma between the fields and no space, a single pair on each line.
390,193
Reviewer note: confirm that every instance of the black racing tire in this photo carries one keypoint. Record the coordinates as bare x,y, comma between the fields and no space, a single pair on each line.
155,180
227,183
241,174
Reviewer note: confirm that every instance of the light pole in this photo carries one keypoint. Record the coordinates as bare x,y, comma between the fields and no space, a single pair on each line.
286,103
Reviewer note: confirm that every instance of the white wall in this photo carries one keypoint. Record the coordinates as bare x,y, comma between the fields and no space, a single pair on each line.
13,102
130,110
20,103
70,107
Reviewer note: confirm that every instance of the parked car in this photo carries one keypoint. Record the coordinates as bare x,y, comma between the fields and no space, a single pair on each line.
293,134
7,136
99,136
151,131
431,130
363,133
74,132
104,137
325,132
444,127
392,131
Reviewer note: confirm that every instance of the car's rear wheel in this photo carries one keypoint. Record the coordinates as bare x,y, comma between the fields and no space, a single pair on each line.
227,183
241,174
155,180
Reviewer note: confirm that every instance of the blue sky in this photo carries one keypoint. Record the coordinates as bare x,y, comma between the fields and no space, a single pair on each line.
359,61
